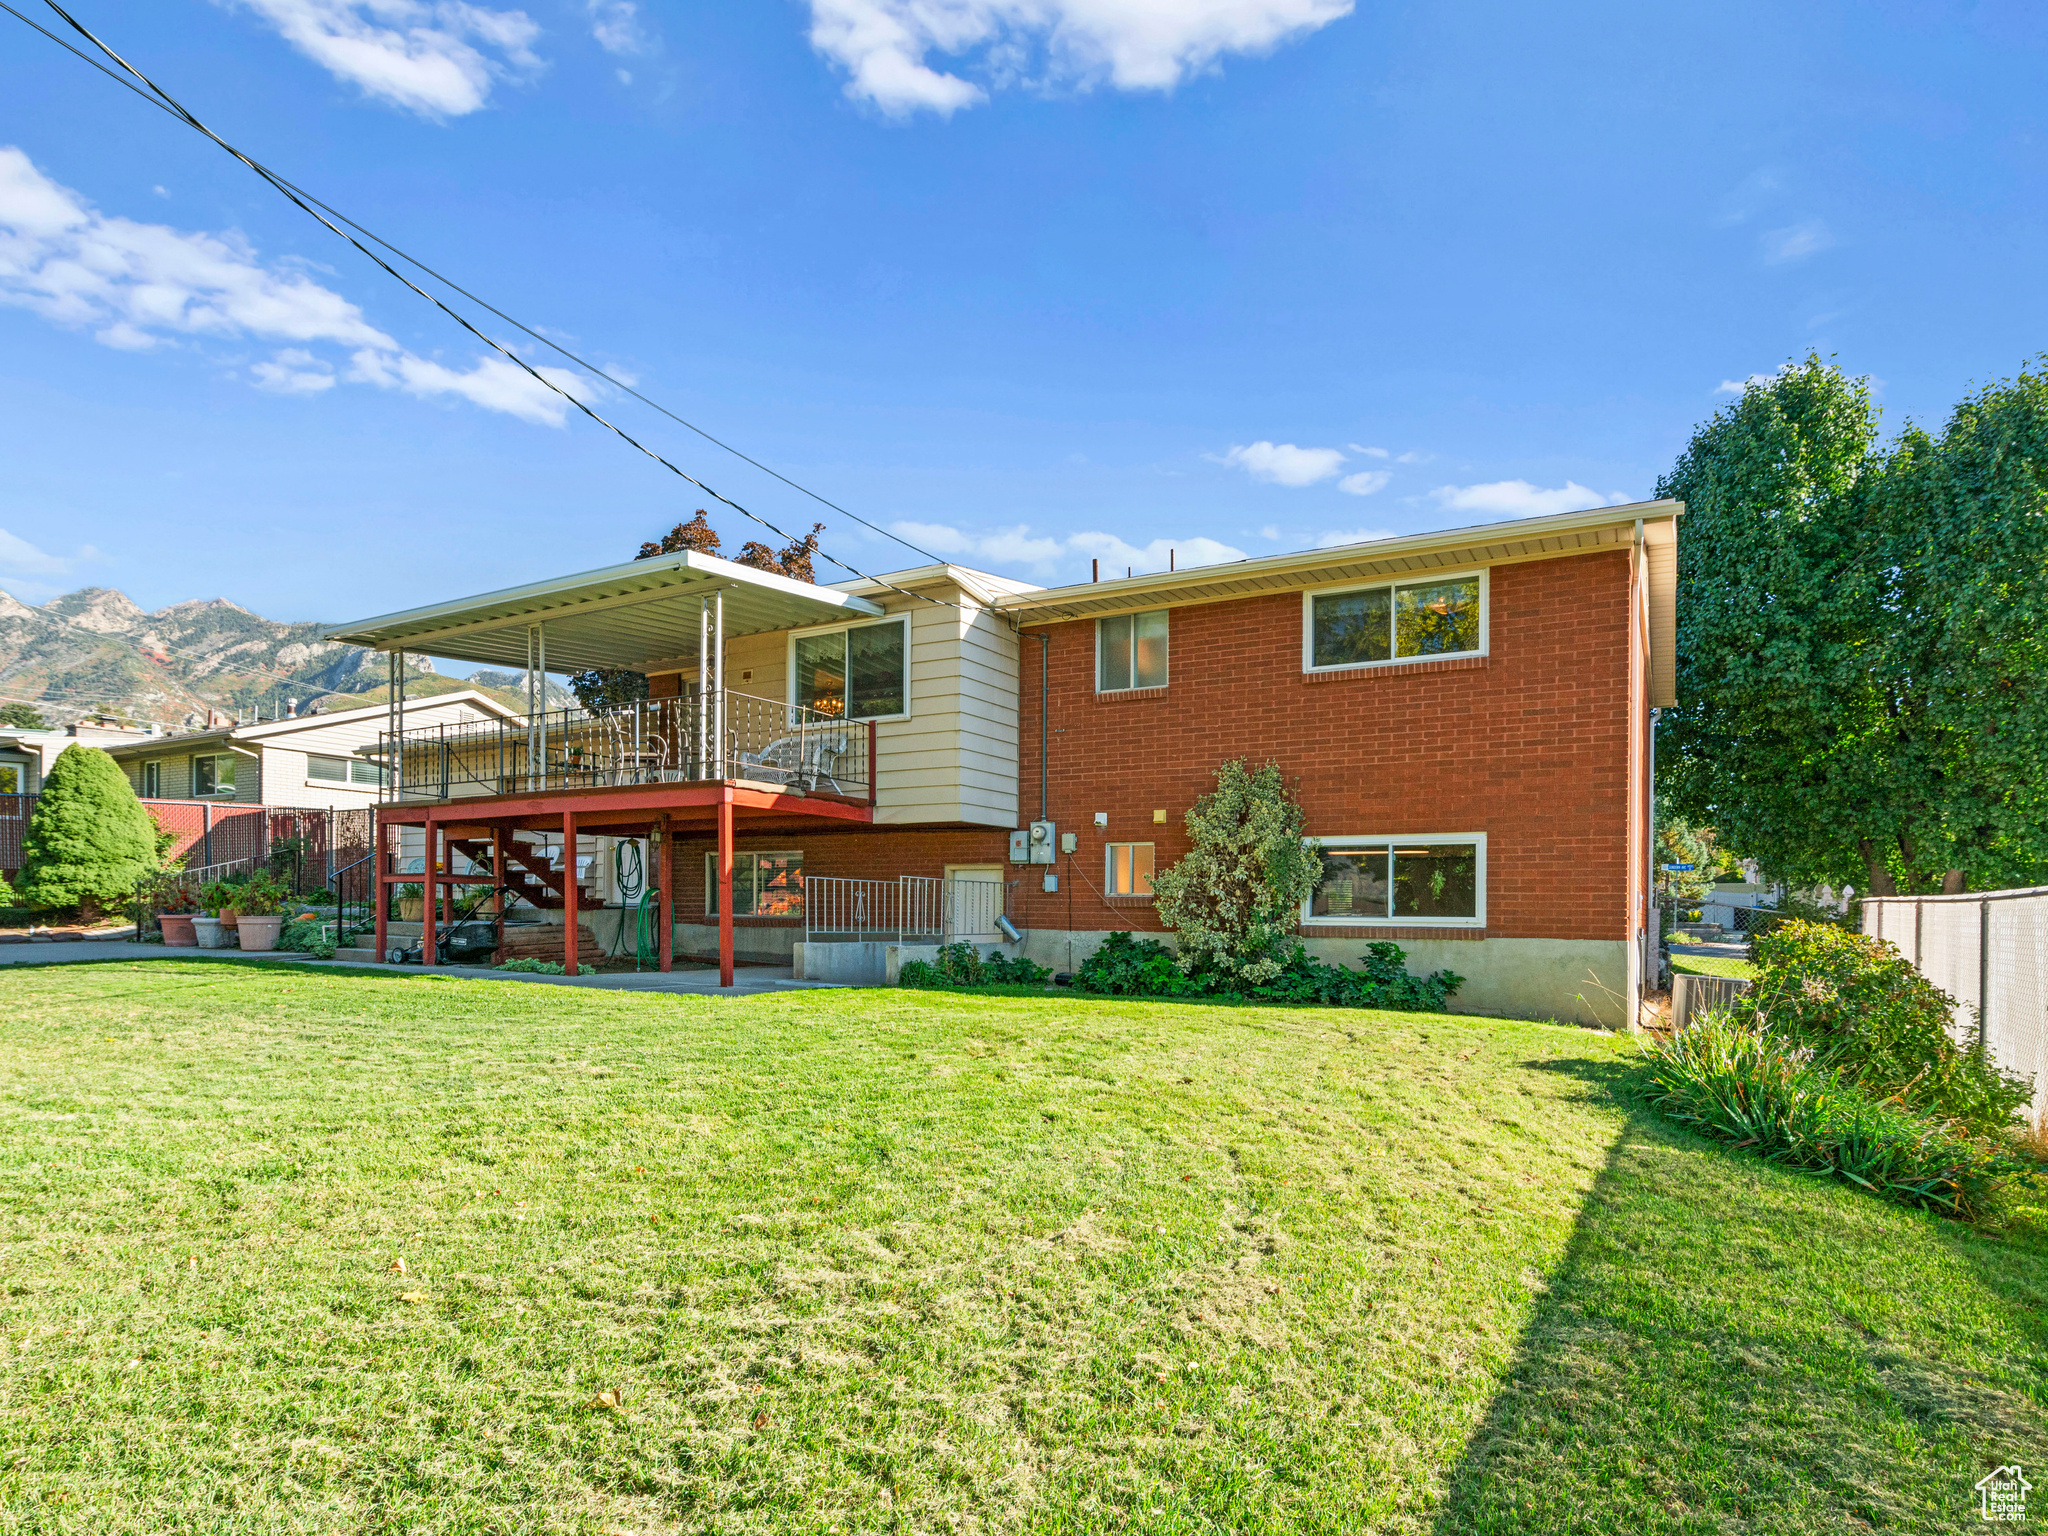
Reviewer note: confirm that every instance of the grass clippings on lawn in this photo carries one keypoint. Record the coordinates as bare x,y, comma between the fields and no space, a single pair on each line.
292,1250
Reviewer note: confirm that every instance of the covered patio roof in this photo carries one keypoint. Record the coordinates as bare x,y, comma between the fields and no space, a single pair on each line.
634,615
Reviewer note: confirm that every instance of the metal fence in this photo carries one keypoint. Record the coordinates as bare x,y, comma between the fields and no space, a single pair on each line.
912,909
303,846
1989,951
655,741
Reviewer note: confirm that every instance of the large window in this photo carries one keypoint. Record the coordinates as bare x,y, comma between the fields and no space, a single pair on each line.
1431,881
343,770
1401,621
214,775
862,673
763,884
1130,652
1127,869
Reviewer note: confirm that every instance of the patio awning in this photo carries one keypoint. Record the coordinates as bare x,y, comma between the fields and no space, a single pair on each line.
635,615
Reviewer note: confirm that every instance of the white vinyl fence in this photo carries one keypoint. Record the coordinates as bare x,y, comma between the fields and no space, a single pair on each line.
1989,951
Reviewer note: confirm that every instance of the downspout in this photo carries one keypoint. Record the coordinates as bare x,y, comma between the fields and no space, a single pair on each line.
1044,689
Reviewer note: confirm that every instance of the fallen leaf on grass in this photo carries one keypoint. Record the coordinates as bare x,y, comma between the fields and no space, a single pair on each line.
612,1398
761,1419
415,1297
397,1266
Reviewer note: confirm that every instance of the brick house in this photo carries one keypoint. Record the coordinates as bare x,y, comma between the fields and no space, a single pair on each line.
1464,715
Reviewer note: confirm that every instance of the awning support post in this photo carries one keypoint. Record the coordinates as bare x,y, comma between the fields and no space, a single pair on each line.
725,888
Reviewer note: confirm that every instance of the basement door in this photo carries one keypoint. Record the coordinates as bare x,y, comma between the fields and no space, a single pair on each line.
974,900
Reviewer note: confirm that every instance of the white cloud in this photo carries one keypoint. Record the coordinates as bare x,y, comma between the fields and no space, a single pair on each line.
1282,463
1270,531
1412,457
1045,556
1338,538
18,557
617,27
1737,386
1365,482
1518,498
294,371
884,45
1370,453
1796,240
438,59
135,285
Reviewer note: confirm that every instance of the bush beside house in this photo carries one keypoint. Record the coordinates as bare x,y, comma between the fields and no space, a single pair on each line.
89,841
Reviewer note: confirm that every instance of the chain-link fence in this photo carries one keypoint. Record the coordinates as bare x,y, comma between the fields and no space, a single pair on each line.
1989,951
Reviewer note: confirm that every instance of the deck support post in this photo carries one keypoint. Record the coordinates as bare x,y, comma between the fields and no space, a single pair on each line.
569,892
380,891
428,911
498,840
664,885
725,888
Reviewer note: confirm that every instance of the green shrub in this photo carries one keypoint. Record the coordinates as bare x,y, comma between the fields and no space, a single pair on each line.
961,965
1734,1080
89,841
536,967
307,936
1864,1013
1126,966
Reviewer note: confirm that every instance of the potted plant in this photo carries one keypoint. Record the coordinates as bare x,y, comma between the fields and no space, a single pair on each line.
206,923
412,903
261,902
175,918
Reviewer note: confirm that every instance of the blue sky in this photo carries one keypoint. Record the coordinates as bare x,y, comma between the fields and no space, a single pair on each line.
1035,280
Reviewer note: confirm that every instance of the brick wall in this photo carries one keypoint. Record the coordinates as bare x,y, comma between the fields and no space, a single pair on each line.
1529,744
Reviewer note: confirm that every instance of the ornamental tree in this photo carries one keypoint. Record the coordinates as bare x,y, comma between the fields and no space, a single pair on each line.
89,839
22,717
1235,897
1860,667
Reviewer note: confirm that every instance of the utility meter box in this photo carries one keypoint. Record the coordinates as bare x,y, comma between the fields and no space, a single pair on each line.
1041,842
1020,847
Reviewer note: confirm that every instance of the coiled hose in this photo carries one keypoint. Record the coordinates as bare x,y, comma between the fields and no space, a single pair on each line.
630,877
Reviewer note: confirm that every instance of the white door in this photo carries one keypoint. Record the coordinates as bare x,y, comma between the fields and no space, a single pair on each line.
974,902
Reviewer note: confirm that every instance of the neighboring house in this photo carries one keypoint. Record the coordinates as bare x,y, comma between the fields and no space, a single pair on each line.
27,756
1465,716
313,761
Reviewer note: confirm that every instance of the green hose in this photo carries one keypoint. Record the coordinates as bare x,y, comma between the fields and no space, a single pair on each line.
632,886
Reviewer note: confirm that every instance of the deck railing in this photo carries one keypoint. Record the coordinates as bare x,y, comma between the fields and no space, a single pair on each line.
912,909
656,741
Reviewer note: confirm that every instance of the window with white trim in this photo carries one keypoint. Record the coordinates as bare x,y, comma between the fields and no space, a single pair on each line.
1127,869
1393,622
214,774
1437,880
343,770
10,779
1130,651
860,672
763,884
153,781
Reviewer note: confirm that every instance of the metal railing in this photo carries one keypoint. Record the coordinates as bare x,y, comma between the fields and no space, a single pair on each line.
656,741
912,909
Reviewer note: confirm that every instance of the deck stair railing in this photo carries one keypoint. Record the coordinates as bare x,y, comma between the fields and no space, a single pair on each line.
656,741
912,909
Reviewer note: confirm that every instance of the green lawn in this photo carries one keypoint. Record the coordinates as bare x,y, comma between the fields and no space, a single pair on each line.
887,1261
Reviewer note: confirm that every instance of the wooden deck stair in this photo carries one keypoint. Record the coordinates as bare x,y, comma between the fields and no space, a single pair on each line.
534,879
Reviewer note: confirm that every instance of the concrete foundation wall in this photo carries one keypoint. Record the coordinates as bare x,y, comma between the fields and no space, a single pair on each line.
1508,978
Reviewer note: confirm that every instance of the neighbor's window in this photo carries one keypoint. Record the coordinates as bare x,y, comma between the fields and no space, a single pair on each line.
763,884
1405,621
152,781
861,673
1128,869
10,779
1130,652
1427,880
333,770
360,772
214,775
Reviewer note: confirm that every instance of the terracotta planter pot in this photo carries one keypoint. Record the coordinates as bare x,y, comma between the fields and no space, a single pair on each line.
229,917
412,909
260,932
178,932
210,933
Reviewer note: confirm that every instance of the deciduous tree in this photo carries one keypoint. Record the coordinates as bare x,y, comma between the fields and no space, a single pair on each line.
1234,899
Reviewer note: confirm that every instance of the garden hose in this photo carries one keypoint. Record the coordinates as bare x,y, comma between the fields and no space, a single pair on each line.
630,876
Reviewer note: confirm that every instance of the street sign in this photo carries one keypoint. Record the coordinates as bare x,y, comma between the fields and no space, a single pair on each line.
1680,868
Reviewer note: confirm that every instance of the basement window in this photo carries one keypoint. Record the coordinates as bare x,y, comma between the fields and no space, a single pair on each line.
763,884
1437,880
1127,869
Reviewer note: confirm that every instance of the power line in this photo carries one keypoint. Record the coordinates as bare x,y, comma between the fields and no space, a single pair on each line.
313,209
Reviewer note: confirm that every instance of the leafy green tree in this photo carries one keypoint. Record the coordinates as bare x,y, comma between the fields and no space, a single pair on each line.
89,840
1235,897
23,717
1848,712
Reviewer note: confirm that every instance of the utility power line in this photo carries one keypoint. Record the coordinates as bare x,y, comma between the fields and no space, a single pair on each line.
318,211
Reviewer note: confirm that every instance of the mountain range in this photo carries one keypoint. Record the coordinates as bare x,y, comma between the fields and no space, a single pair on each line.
94,652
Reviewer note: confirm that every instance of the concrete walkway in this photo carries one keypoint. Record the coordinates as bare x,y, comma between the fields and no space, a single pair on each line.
747,981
